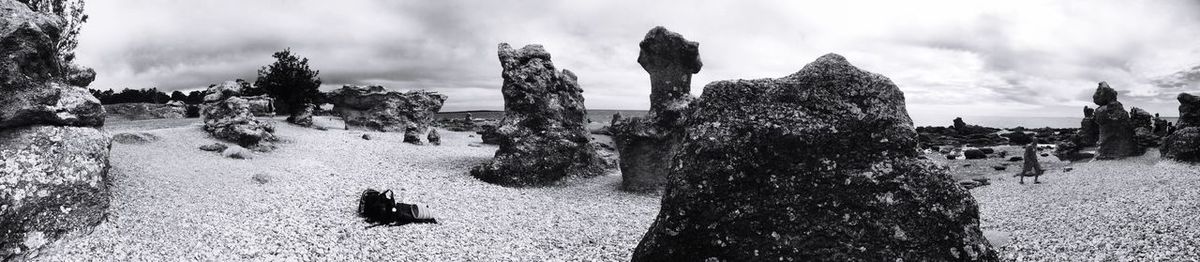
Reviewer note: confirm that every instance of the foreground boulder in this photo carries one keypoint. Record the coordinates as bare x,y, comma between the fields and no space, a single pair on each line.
647,144
1184,143
52,180
543,136
374,108
821,165
230,119
1115,138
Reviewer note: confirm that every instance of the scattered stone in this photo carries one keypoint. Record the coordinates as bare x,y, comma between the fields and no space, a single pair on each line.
1116,133
214,147
366,137
542,137
434,138
646,145
1067,169
974,154
413,136
987,150
762,168
1015,159
1000,168
475,145
261,178
134,138
374,108
237,152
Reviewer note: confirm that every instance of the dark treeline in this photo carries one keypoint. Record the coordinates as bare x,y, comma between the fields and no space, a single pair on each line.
150,95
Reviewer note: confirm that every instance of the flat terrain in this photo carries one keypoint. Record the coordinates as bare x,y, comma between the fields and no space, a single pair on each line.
174,202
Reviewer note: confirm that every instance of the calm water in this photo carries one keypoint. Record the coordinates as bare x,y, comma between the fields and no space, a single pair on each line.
604,116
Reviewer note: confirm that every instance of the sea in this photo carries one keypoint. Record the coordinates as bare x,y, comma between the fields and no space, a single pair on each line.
604,116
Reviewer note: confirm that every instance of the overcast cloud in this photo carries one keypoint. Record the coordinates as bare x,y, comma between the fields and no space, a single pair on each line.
1009,58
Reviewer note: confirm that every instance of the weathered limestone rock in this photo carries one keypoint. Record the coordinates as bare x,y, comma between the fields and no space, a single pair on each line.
143,111
34,87
543,136
1184,143
230,119
52,180
50,103
821,165
1115,139
376,109
261,105
1088,133
303,117
647,144
224,90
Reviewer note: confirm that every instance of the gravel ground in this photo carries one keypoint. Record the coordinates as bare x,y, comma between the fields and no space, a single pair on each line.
173,201
1138,209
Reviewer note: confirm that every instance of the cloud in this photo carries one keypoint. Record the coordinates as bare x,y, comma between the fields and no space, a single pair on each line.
950,57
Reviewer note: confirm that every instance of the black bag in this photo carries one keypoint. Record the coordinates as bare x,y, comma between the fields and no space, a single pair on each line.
380,208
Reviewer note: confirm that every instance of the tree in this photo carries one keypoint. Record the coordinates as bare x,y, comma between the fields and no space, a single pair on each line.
178,96
195,97
72,12
290,82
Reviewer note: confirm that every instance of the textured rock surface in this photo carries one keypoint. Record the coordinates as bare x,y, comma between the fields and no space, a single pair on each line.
434,138
1088,133
376,109
1184,143
303,117
230,119
262,105
1139,118
143,111
647,144
34,88
1115,138
818,165
224,90
52,180
543,136
49,104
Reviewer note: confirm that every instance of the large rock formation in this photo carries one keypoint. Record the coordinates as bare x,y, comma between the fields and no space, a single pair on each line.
376,109
143,111
1143,128
1088,133
1184,143
230,119
53,163
821,165
647,144
1116,132
543,136
52,180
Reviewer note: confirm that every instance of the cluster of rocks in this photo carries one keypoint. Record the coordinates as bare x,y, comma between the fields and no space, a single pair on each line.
762,169
647,144
1112,131
543,136
962,134
229,116
375,108
143,111
1183,143
53,158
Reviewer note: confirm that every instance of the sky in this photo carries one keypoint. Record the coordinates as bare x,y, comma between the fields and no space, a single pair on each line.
951,58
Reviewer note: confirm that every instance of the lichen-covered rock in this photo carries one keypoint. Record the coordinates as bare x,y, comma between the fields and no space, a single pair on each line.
821,165
50,103
543,136
224,90
143,111
28,47
230,119
1115,138
374,108
52,180
304,116
647,144
1184,143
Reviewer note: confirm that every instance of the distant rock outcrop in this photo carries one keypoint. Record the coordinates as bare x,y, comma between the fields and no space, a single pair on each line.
647,144
1184,143
53,162
375,108
230,119
1116,139
820,165
143,111
1089,132
543,136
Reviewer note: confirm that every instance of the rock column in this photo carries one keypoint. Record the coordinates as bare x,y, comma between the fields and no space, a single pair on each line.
1115,138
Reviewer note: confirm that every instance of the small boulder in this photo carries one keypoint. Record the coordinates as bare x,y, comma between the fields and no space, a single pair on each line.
434,138
261,178
974,154
134,138
237,152
1015,159
214,147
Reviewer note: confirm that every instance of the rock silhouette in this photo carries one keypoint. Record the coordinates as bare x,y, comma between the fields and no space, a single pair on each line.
647,144
1184,143
1088,132
543,136
1115,138
818,165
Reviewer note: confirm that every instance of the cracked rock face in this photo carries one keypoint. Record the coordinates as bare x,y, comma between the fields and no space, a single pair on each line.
52,180
818,165
543,136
